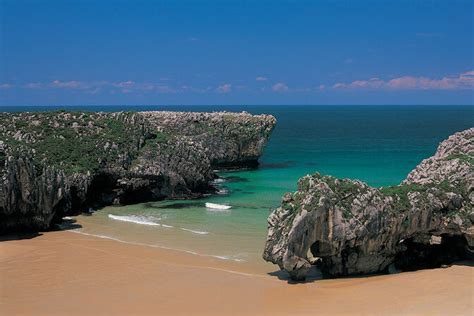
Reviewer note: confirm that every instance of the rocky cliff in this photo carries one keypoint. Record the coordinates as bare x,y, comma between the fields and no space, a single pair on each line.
57,163
347,227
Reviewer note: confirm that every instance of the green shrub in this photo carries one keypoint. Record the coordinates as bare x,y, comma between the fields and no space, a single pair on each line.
463,157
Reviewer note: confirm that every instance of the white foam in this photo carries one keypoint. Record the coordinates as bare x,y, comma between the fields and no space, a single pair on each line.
228,258
78,231
195,231
134,219
218,180
167,226
217,206
222,192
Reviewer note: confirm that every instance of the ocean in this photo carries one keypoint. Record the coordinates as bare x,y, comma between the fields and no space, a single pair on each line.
376,144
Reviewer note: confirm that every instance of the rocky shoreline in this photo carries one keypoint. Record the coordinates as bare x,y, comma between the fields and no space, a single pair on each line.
345,227
54,164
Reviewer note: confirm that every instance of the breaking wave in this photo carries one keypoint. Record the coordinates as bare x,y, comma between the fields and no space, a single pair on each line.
195,231
215,206
141,220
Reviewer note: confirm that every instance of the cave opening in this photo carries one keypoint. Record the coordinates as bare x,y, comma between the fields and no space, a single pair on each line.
320,248
418,255
109,189
315,249
102,190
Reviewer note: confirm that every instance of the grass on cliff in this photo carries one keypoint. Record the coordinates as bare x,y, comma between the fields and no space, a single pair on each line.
343,189
76,152
74,142
400,192
158,142
463,157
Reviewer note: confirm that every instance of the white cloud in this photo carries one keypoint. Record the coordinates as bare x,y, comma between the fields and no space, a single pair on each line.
67,84
124,84
459,82
280,87
225,88
95,87
34,85
462,81
57,84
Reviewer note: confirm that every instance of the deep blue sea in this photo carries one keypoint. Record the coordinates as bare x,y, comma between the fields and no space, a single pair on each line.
376,144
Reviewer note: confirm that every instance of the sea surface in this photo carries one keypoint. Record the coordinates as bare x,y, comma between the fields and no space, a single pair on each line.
376,144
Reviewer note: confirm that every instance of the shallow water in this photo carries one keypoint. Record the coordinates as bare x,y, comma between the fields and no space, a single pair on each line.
377,144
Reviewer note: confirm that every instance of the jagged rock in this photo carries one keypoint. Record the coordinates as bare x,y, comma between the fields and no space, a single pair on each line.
353,228
54,164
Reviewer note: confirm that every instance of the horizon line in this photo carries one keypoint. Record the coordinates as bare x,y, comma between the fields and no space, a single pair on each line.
223,105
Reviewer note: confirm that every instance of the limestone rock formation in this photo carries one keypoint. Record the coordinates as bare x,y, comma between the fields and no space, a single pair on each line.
347,227
56,163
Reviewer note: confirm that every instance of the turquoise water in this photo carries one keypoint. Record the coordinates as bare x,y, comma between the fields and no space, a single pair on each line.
377,144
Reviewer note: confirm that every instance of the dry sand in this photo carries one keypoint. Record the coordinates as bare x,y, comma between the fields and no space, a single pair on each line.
65,273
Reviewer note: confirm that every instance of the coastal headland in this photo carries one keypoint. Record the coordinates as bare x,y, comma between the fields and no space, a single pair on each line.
54,164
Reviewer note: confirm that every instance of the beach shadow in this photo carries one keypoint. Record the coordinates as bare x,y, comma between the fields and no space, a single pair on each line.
66,224
465,263
314,275
19,236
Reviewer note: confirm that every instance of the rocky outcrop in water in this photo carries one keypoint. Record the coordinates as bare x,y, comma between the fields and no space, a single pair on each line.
57,163
347,227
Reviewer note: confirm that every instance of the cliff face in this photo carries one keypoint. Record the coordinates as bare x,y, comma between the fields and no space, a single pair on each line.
57,163
347,227
227,139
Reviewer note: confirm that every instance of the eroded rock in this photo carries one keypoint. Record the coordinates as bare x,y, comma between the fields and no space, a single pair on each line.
356,229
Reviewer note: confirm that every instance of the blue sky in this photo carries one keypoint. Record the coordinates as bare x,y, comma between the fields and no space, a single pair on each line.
236,52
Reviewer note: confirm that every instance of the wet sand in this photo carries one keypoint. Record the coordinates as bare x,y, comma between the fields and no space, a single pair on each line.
65,273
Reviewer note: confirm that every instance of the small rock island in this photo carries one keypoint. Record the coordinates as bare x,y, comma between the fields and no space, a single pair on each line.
346,227
54,164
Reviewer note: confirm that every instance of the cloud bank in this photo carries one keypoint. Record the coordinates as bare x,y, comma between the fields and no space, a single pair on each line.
459,82
462,81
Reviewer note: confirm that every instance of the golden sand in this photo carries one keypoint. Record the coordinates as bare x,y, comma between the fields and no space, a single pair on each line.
65,273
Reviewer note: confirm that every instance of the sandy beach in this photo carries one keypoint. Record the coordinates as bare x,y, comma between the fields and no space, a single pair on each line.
65,273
